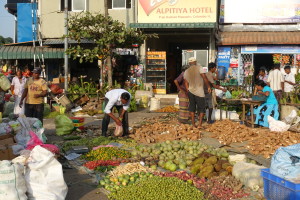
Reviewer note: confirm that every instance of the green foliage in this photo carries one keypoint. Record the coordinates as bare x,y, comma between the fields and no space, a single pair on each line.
4,40
105,32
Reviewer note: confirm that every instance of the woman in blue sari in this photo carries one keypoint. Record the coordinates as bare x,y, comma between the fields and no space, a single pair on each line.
268,108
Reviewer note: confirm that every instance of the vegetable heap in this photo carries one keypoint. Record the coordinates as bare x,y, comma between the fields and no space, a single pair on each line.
106,153
173,155
129,168
160,130
223,187
228,132
94,164
113,184
158,188
208,165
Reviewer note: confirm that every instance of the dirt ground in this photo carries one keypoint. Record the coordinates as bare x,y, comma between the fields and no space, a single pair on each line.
81,186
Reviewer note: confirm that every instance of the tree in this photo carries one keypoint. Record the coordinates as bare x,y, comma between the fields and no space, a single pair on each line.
105,33
4,40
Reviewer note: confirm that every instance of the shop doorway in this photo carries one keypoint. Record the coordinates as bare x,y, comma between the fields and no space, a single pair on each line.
262,61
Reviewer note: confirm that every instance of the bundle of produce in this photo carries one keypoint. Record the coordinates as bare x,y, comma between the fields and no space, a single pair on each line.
227,132
160,131
260,141
271,142
223,187
183,175
173,155
248,174
168,109
158,188
94,164
106,153
129,168
101,140
208,165
113,184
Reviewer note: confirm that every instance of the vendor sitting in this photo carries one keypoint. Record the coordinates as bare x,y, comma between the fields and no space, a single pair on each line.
268,108
120,99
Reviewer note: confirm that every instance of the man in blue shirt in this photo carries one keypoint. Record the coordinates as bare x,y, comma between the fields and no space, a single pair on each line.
120,99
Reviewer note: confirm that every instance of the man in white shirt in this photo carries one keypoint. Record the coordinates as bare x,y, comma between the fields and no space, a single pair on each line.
120,99
289,80
276,81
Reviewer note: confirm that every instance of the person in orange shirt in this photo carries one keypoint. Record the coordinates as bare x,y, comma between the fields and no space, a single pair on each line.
35,91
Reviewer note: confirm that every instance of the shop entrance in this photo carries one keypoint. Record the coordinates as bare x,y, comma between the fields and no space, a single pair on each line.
263,60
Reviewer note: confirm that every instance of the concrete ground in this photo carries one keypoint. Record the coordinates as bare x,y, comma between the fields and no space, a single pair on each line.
82,186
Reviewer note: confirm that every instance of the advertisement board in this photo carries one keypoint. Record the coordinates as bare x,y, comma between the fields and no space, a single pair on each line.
260,11
177,11
224,57
271,49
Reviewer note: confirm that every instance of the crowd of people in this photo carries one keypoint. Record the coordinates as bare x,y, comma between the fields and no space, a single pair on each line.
28,91
198,91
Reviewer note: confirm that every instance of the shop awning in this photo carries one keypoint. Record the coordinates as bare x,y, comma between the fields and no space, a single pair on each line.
172,25
27,52
246,38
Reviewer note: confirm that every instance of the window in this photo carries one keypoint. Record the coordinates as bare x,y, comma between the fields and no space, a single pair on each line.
78,5
74,5
119,4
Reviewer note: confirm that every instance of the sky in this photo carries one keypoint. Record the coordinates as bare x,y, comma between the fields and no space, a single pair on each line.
6,21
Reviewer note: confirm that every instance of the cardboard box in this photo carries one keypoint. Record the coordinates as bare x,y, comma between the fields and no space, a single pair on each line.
7,141
5,136
6,152
55,81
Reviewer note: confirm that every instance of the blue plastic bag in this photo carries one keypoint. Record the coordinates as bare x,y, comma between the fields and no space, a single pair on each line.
285,162
228,95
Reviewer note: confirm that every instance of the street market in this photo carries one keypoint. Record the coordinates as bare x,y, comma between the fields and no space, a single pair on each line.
150,100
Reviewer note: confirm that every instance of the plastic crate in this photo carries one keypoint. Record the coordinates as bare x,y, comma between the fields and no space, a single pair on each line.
276,188
77,119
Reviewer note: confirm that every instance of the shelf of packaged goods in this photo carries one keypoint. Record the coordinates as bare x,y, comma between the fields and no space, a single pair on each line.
156,70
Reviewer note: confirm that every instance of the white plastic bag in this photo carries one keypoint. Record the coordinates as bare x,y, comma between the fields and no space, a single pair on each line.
237,158
118,131
248,174
278,126
290,118
44,176
12,183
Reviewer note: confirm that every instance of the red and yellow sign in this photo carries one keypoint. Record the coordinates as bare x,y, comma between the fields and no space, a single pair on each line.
177,11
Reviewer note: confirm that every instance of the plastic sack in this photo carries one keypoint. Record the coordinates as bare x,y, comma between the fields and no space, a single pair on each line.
154,104
228,95
233,159
64,125
44,176
285,162
4,82
248,174
118,131
8,108
144,101
12,181
35,141
277,126
290,118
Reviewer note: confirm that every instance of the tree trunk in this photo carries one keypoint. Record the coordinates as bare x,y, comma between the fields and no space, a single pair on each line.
108,59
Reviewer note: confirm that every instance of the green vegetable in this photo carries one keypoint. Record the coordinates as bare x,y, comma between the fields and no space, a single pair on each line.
158,188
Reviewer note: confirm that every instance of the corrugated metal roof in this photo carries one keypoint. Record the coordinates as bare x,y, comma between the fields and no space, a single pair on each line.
243,38
27,52
61,41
